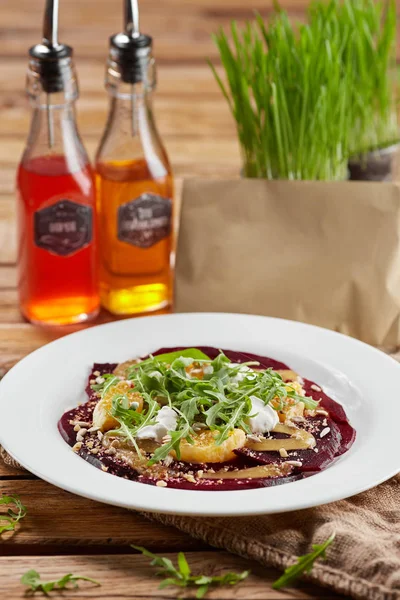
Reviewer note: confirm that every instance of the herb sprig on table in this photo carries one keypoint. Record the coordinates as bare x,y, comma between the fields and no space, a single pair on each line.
181,576
14,514
35,584
303,565
221,401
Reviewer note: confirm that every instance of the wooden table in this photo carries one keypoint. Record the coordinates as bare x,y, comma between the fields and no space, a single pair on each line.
64,533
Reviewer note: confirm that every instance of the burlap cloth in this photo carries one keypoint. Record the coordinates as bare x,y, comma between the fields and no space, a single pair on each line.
363,562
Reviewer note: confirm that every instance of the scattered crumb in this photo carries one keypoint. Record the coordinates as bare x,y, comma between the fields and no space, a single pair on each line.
161,484
321,411
316,388
324,432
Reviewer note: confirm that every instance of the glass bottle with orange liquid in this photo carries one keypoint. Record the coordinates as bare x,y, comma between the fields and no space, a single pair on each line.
58,272
134,183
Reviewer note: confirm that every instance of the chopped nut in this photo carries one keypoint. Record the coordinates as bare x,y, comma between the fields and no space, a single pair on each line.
190,478
111,451
96,373
168,460
199,426
77,428
77,447
199,473
283,453
321,411
95,451
90,444
100,380
253,438
161,484
316,388
324,432
100,435
294,463
81,434
83,423
93,429
92,381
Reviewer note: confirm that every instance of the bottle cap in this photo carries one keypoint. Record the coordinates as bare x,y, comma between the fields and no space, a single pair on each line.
50,60
131,50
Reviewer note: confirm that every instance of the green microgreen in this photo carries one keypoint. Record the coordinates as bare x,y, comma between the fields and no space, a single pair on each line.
14,514
304,564
181,576
35,584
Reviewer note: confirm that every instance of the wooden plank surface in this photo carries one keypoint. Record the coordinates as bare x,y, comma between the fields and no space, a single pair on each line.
64,533
129,576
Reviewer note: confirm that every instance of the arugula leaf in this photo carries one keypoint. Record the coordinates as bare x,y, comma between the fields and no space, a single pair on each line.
181,576
169,357
221,399
13,515
304,564
176,436
32,580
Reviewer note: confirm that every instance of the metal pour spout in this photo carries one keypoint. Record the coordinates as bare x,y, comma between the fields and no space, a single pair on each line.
50,24
50,39
131,23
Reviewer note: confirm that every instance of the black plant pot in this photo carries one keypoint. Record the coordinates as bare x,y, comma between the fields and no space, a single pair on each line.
374,166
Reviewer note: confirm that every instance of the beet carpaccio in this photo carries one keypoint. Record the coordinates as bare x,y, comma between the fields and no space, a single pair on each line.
206,419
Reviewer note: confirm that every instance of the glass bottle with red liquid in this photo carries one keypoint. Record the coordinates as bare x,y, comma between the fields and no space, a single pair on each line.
57,260
134,183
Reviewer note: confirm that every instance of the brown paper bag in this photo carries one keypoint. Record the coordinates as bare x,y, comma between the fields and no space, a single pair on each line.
321,253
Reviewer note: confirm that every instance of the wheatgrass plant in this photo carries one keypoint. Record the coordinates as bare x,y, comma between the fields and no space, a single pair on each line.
306,97
373,56
289,91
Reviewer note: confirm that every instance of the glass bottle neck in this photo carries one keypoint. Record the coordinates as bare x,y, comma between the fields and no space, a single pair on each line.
131,110
54,133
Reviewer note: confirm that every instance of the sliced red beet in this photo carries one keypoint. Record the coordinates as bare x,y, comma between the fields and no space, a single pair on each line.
103,369
225,485
327,448
335,443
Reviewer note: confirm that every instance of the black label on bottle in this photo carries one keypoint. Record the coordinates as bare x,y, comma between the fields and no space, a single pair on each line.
144,221
63,228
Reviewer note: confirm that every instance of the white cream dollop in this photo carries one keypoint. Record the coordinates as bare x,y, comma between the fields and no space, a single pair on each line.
266,418
166,420
243,372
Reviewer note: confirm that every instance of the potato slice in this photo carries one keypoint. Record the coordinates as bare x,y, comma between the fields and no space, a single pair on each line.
261,471
121,370
205,450
101,414
299,440
288,375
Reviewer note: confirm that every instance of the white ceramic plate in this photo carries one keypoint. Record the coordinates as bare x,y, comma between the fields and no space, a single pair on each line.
40,388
